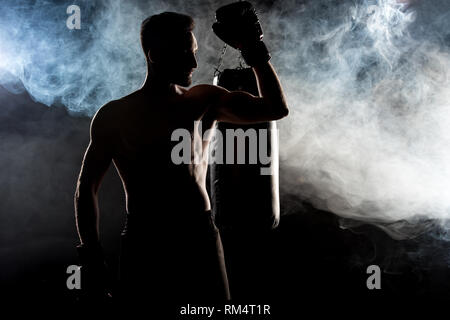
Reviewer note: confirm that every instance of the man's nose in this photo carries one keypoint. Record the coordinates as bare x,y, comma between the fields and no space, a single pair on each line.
193,62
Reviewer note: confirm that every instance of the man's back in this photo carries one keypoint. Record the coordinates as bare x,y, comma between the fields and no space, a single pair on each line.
142,126
169,234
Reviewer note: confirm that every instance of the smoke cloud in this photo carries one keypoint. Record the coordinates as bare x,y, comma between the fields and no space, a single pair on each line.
369,85
367,82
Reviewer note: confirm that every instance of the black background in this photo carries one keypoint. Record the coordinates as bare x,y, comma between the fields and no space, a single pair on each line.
307,263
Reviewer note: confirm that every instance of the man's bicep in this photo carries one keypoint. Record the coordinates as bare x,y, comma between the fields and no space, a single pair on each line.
237,107
240,107
96,162
98,156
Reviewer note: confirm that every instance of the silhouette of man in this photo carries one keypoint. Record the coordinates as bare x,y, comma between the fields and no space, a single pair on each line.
170,246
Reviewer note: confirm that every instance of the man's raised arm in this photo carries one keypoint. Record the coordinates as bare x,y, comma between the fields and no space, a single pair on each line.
238,26
244,108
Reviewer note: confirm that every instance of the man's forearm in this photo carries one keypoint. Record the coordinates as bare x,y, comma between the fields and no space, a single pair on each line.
86,216
269,86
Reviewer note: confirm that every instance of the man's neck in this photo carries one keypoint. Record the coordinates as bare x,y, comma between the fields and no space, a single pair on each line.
156,85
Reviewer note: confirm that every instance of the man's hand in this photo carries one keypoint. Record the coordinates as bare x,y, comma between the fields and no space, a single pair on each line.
238,26
95,279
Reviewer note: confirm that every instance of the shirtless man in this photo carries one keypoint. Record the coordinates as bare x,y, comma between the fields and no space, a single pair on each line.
171,246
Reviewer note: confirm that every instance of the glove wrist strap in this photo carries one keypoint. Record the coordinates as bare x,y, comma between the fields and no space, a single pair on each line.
256,54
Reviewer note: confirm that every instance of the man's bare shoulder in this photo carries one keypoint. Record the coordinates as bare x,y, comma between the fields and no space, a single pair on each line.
205,97
116,110
108,112
107,118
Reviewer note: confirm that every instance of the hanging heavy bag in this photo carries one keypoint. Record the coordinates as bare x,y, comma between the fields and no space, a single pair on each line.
245,196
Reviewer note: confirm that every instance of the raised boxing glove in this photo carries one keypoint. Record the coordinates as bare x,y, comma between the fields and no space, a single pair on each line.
238,26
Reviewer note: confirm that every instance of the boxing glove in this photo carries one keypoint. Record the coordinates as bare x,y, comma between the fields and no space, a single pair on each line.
237,24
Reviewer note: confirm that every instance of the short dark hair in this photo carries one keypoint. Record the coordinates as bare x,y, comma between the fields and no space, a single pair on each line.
158,28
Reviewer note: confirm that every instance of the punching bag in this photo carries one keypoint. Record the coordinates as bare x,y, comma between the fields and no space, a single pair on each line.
245,196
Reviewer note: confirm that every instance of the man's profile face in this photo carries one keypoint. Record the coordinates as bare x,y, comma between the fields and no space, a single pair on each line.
177,59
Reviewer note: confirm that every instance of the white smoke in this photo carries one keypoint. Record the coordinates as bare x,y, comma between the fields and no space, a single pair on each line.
368,137
367,82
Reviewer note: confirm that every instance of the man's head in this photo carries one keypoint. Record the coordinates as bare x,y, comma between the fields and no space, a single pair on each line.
169,46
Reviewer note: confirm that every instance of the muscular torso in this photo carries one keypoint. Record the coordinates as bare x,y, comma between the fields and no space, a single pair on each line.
154,185
170,244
